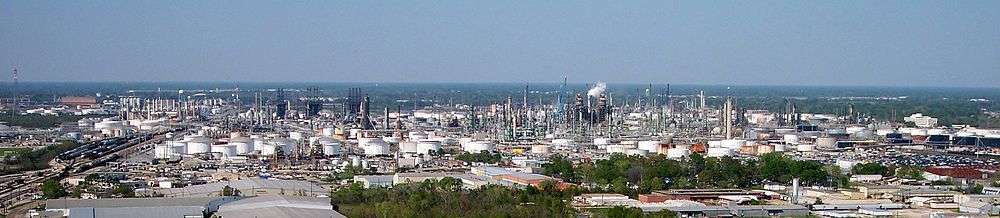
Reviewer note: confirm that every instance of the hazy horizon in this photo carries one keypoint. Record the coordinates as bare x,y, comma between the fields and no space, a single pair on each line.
785,43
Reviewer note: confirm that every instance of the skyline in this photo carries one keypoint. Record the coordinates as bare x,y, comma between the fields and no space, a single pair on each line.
931,44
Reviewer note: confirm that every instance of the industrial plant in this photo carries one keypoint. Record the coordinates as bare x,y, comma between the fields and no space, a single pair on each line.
192,150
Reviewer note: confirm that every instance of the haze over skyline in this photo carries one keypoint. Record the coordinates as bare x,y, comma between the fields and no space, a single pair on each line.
870,43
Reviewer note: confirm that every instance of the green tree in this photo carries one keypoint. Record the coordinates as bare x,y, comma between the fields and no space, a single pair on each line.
869,169
230,191
624,212
52,189
910,172
559,167
124,191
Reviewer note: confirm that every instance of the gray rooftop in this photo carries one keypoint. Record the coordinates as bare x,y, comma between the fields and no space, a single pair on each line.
279,206
146,212
66,203
243,184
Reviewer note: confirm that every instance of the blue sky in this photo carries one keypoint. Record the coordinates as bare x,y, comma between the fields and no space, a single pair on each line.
879,43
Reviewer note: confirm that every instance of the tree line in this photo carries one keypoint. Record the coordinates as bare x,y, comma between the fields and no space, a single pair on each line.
633,175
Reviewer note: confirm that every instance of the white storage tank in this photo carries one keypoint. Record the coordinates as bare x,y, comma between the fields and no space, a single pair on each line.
162,151
733,143
779,148
805,148
417,136
478,146
408,147
426,146
243,147
617,149
330,148
677,153
719,152
286,145
764,149
328,131
854,129
883,132
540,149
633,152
297,136
198,145
226,150
268,148
826,143
391,140
562,142
373,146
602,141
258,144
650,146
791,139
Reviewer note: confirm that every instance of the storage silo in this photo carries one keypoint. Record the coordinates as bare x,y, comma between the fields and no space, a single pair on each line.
198,145
427,146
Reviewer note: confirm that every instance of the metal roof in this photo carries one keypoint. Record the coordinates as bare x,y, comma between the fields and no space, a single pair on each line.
279,206
251,183
66,203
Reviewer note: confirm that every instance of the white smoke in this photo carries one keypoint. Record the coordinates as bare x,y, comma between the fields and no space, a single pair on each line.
597,90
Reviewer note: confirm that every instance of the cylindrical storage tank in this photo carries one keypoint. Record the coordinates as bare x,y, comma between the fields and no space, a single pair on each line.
373,146
640,152
764,149
297,136
714,144
235,135
649,146
268,148
198,146
478,146
417,136
677,153
826,142
162,151
355,133
719,152
408,147
562,142
854,129
733,143
602,141
330,148
805,148
791,139
883,132
779,147
540,149
258,144
617,149
328,132
243,147
286,145
226,150
426,146
391,140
